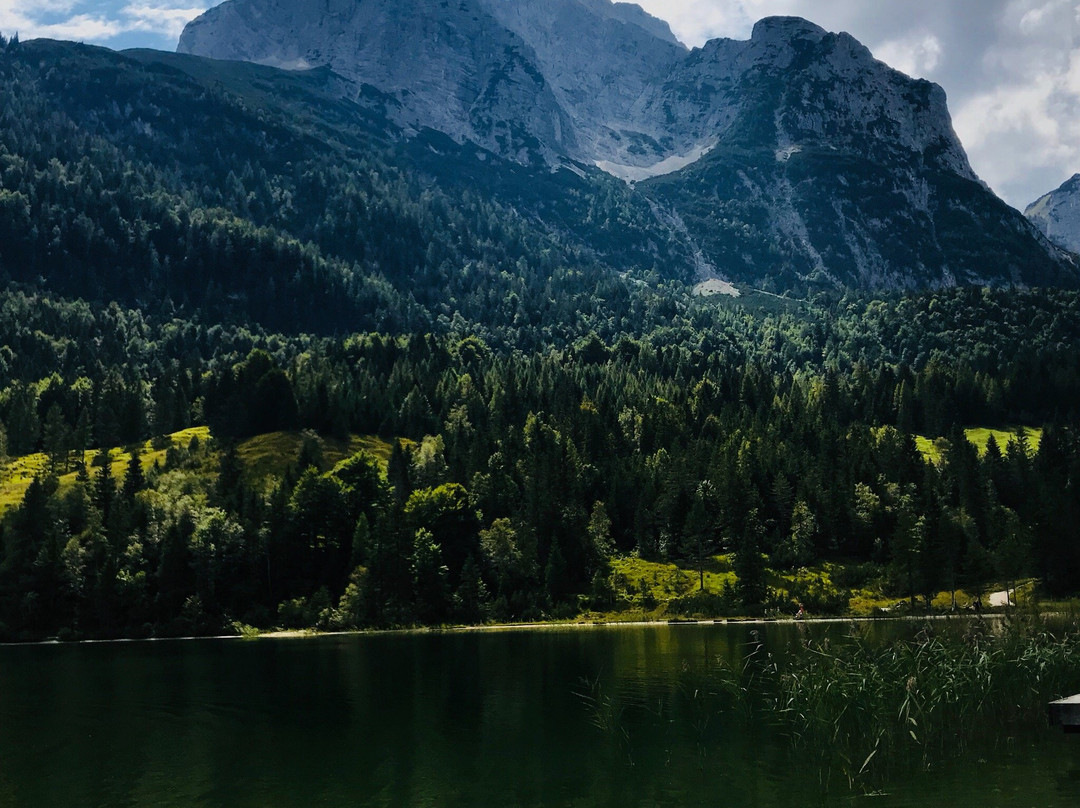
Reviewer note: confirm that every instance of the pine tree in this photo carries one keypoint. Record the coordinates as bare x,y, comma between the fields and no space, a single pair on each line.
398,473
229,485
555,575
472,594
56,439
700,530
104,484
134,478
749,563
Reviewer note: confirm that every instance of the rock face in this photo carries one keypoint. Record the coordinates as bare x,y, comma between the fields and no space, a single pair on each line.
1057,214
828,165
599,60
449,66
589,80
792,155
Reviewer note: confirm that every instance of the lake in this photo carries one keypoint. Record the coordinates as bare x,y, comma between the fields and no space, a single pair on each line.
606,716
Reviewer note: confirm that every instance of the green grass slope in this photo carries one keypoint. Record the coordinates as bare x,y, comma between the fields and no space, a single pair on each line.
932,448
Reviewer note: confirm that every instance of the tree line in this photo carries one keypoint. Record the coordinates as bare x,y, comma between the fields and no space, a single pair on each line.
512,480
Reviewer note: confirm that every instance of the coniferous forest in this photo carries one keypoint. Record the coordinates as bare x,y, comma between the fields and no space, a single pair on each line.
186,277
510,479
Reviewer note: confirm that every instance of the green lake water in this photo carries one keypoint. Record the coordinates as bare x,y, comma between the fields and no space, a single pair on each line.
611,716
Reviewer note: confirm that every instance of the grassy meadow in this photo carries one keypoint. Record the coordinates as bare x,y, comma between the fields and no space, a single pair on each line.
932,448
268,457
653,590
265,458
17,473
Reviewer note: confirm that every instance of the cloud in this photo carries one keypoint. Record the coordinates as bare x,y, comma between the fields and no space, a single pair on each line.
45,6
165,20
42,21
93,20
1025,137
917,55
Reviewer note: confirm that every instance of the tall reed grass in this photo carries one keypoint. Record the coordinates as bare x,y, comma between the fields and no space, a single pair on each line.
870,708
863,710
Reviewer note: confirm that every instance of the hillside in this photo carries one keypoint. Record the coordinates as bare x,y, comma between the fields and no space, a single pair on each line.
131,177
780,441
791,160
266,257
244,193
1057,214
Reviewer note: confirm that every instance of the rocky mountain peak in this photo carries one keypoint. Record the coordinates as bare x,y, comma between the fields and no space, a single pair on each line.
630,14
808,158
786,29
587,80
1057,214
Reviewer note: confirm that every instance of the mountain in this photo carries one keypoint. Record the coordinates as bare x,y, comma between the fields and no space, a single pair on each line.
588,80
539,79
789,160
1057,214
299,200
833,167
188,243
232,192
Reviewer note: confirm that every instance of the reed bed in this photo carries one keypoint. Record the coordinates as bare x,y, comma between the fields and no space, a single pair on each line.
860,709
871,708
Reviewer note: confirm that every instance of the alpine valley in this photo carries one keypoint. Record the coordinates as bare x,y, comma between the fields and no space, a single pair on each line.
363,313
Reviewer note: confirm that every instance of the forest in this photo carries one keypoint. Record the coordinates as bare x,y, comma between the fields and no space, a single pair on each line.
502,483
474,413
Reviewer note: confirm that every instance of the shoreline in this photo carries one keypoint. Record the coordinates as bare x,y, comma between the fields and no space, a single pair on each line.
303,634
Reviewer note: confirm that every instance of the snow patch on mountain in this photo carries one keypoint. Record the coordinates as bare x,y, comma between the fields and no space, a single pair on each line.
677,162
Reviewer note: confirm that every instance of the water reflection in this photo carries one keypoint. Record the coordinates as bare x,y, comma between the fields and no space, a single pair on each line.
472,719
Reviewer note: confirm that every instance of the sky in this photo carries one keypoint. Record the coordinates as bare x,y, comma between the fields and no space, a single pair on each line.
1011,68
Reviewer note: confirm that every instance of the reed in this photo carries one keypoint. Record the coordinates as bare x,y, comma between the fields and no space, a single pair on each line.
871,708
856,711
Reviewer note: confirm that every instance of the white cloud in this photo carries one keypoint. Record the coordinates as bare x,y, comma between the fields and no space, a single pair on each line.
15,18
43,7
78,27
1024,137
917,55
1034,17
165,20
93,20
696,21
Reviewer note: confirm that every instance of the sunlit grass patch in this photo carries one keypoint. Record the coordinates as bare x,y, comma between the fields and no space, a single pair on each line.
651,586
264,456
17,474
15,477
981,436
375,446
269,455
272,454
655,589
932,449
929,449
815,588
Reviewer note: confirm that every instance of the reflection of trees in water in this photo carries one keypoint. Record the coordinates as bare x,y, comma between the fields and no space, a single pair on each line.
854,711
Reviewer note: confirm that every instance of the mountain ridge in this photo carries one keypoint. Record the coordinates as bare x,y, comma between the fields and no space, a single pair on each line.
606,92
1057,214
791,158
